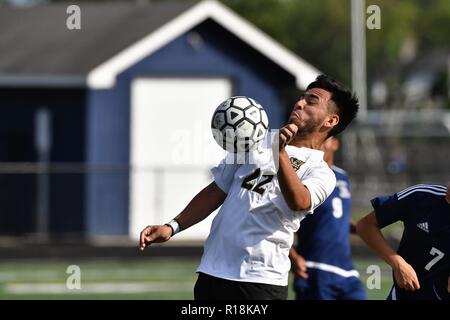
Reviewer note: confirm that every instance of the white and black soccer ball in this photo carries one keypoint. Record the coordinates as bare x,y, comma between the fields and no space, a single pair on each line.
239,124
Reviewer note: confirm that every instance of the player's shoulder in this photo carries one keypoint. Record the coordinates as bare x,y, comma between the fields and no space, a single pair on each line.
321,170
322,165
340,173
422,190
332,177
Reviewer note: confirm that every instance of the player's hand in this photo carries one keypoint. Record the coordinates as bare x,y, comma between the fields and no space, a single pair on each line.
298,265
405,276
154,234
286,134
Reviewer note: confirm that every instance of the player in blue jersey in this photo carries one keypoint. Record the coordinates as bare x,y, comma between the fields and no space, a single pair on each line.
321,261
421,265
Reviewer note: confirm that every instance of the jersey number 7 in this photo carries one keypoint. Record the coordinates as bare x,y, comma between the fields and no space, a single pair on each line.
439,255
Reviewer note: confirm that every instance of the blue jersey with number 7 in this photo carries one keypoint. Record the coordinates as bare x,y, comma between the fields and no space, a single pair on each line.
425,243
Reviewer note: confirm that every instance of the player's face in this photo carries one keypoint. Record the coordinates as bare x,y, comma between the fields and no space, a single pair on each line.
311,110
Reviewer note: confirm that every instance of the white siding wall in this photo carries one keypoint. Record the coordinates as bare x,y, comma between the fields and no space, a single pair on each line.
172,148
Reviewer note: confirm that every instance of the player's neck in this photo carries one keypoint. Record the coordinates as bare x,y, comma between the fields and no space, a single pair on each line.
305,142
328,157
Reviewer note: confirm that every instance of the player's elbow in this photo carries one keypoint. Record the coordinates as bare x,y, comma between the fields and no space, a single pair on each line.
297,204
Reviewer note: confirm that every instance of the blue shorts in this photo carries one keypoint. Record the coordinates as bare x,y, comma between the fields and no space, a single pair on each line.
323,285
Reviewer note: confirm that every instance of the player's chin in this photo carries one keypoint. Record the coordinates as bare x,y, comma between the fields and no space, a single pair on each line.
293,119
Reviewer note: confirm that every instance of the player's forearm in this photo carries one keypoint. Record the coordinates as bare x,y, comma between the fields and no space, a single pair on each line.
295,193
292,254
368,229
201,206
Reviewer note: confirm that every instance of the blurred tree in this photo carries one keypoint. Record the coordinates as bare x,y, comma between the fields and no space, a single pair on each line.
316,30
433,24
319,32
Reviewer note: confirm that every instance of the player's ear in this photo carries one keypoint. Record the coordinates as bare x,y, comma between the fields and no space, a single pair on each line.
331,121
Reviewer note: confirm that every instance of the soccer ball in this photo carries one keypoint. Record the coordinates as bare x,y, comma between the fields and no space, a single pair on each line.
239,124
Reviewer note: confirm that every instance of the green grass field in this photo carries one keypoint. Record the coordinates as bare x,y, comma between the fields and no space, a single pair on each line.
116,279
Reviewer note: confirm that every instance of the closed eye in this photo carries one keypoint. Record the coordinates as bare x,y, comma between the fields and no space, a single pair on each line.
311,99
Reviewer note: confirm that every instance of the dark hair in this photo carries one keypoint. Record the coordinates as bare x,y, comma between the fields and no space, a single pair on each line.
346,102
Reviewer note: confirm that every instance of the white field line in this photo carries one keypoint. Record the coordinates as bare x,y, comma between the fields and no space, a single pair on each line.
105,287
29,275
116,274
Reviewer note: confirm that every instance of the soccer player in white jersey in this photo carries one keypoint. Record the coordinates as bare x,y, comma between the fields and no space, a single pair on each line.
246,255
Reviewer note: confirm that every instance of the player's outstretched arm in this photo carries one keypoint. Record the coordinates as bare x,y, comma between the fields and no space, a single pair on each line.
295,193
201,206
369,231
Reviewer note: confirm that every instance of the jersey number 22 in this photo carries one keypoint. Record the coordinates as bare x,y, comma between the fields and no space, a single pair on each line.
249,182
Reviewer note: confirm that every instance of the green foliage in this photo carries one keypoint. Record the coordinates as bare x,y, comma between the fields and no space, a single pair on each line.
319,31
316,30
433,24
397,24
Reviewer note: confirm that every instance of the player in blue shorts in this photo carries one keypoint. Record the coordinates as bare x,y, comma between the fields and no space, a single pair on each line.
421,265
321,261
